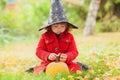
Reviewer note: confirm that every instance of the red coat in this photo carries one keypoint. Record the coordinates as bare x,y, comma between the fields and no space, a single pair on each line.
49,43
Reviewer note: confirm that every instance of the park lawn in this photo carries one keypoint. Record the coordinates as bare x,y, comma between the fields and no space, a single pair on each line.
100,51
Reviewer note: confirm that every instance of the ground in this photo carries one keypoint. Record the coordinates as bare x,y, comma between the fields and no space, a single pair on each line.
100,51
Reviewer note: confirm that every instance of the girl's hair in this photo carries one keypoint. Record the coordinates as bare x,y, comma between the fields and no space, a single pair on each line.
68,27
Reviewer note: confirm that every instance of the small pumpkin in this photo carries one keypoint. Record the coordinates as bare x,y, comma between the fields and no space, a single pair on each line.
57,67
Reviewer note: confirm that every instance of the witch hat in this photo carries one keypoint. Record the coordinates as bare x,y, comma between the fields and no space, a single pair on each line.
57,15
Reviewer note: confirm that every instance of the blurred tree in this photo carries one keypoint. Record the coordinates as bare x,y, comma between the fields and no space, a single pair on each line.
108,16
91,19
2,4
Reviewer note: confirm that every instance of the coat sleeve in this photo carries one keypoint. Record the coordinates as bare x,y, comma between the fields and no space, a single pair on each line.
72,50
41,51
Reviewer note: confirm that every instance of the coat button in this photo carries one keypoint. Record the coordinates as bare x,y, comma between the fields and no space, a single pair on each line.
46,41
67,41
56,49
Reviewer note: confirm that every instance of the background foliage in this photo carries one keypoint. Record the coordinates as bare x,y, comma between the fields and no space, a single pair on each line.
24,21
109,16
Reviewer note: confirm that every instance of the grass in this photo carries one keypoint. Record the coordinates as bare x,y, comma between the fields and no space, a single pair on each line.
100,51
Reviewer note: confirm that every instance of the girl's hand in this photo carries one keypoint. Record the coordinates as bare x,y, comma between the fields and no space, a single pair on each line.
63,57
52,56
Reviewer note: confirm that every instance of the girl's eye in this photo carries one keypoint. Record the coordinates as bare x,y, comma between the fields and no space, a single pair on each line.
62,26
55,26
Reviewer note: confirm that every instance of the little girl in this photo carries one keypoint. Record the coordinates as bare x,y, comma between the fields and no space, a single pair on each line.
57,41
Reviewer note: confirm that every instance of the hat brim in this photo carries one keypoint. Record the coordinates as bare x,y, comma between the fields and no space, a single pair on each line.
73,26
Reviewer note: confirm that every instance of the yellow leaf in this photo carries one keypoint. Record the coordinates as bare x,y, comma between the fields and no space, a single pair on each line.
62,79
78,72
107,78
91,71
70,77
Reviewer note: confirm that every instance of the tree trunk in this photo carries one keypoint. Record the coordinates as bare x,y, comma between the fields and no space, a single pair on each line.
91,19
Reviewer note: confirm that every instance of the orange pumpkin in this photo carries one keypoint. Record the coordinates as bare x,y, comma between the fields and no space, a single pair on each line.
57,67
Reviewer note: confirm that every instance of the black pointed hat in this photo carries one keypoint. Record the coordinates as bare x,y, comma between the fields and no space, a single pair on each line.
57,15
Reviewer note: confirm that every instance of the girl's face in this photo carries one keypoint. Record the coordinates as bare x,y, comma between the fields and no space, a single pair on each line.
59,28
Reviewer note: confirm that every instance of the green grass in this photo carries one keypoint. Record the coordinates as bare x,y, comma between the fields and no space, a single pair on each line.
30,76
23,76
